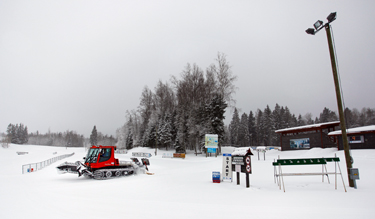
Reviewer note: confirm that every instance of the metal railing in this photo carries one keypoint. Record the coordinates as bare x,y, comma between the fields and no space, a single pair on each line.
32,167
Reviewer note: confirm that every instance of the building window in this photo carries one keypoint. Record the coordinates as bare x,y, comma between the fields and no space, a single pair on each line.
354,139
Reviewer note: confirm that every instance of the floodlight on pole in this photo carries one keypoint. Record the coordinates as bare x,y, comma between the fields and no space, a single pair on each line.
318,26
310,31
331,17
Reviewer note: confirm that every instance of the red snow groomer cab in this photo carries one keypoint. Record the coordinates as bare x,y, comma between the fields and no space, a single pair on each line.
100,163
101,157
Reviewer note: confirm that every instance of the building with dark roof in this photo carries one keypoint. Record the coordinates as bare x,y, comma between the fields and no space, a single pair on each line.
358,138
308,136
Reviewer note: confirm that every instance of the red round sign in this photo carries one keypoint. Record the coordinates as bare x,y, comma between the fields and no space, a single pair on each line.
248,168
248,160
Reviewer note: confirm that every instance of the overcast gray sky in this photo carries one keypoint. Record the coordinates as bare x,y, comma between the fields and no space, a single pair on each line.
70,65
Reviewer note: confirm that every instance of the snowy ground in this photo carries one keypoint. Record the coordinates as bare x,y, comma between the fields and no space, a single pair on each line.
182,188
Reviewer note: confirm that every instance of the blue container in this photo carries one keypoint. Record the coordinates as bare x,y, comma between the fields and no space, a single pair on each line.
216,177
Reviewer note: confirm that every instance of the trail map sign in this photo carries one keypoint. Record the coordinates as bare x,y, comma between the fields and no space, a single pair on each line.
211,141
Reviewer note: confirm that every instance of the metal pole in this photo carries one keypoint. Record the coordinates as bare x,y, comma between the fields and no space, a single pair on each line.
339,104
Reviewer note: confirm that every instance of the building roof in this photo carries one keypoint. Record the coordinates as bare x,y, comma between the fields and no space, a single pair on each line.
243,151
309,127
357,130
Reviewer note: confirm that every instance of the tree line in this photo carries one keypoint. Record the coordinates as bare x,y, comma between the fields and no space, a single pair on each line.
97,138
69,139
178,114
17,134
258,129
66,139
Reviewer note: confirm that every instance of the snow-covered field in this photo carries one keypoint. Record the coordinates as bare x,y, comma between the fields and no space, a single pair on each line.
182,188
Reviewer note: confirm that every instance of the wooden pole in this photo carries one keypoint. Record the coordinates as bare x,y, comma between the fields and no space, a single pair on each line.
281,141
238,178
339,104
247,180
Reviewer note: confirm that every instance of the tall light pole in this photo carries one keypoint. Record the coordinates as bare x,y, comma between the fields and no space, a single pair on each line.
318,26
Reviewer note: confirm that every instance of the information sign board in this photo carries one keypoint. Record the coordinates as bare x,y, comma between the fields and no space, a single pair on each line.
167,155
211,141
140,154
243,162
238,160
300,143
179,155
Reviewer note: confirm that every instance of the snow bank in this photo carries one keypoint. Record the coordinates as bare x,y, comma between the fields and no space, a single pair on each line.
181,188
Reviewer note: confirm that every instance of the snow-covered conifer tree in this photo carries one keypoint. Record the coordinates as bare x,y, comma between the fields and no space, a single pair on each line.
243,132
268,123
234,128
94,136
252,128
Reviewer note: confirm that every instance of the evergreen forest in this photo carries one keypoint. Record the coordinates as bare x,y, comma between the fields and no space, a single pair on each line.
176,115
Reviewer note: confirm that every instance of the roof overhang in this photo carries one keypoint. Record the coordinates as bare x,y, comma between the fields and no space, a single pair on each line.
355,131
307,128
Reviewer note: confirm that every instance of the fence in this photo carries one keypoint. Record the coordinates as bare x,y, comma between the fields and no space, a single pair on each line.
32,167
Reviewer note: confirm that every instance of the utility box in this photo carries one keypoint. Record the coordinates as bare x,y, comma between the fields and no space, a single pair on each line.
354,173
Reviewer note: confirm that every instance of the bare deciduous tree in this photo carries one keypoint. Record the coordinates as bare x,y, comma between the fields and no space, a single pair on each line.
225,79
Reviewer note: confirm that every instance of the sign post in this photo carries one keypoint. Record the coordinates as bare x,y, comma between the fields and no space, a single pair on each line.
238,170
263,150
242,163
227,167
248,170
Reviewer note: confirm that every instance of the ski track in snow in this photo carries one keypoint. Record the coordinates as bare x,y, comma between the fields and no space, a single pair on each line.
182,188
